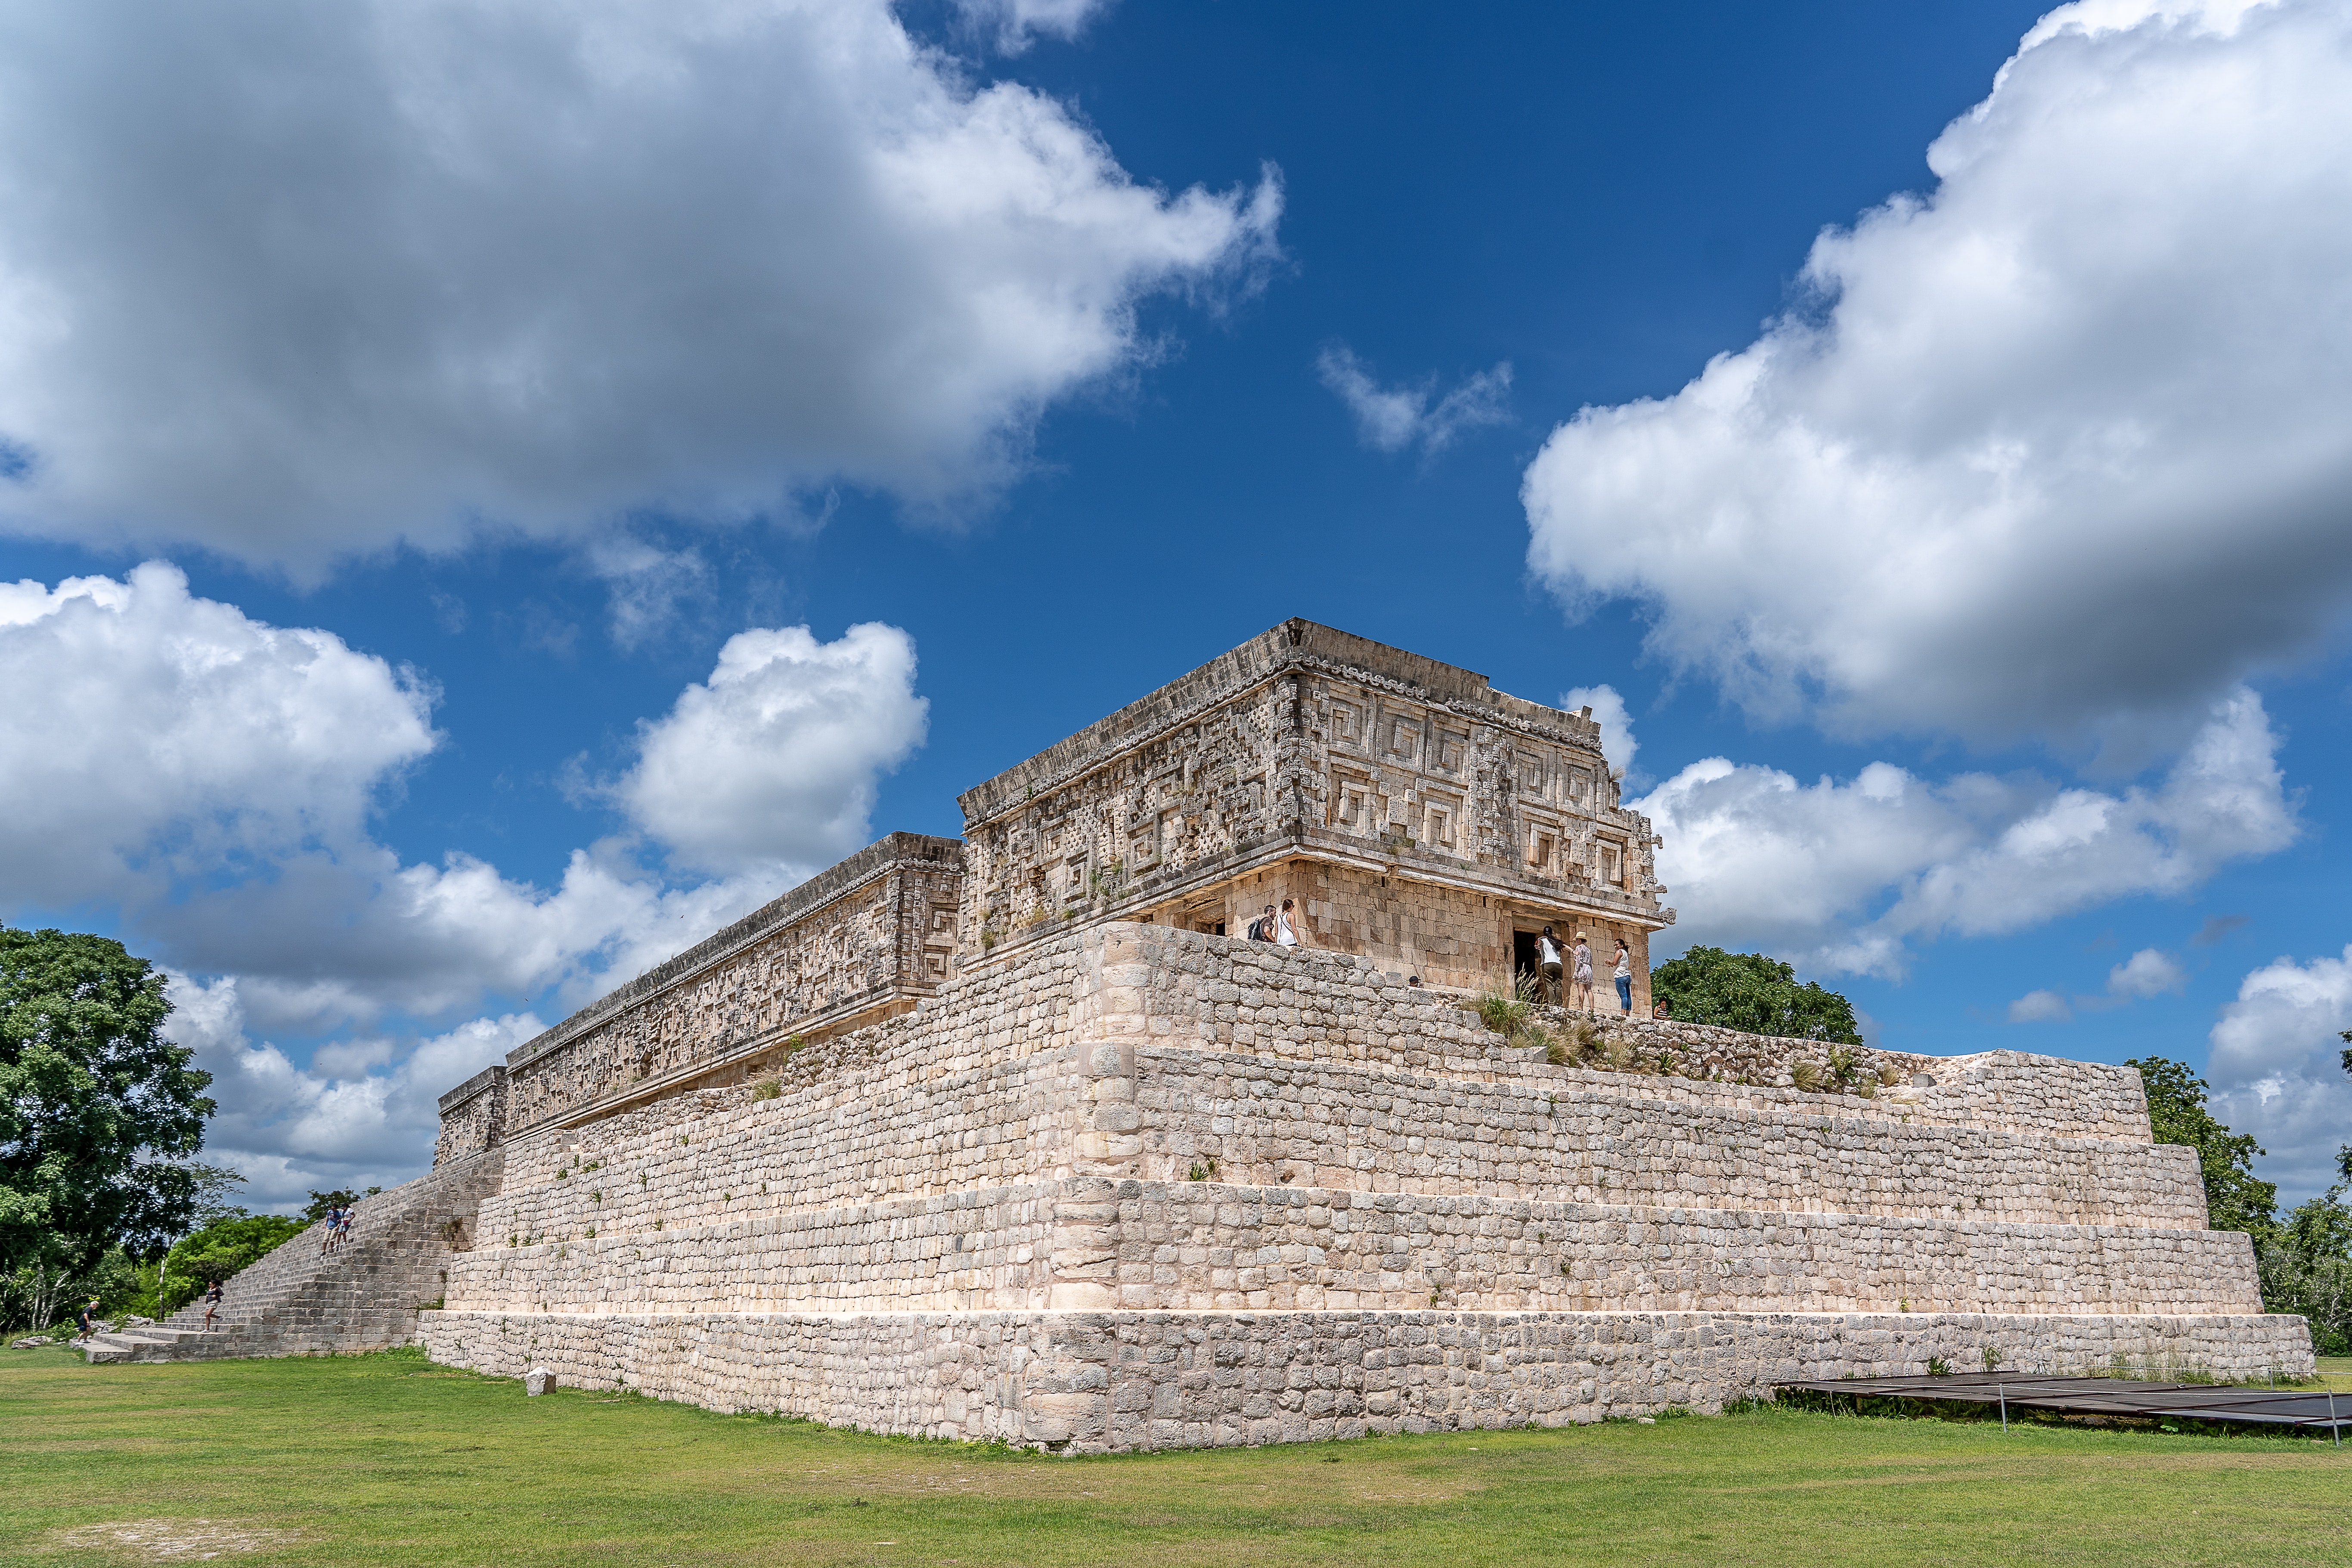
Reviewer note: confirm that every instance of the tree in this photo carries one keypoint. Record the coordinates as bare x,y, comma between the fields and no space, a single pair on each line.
342,1197
2306,1268
1749,991
219,1250
2344,1151
2176,1111
98,1111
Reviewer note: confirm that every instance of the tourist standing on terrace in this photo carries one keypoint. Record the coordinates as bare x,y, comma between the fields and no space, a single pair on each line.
1583,976
1547,956
1285,934
1624,977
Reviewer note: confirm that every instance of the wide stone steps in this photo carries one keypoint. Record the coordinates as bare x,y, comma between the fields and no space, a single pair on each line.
299,1299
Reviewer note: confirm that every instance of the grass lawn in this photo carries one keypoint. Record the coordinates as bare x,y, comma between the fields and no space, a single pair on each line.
389,1459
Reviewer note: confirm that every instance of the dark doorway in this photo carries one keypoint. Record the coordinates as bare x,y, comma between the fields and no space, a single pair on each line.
1526,957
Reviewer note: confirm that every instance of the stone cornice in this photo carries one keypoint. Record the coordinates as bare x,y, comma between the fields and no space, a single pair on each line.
895,852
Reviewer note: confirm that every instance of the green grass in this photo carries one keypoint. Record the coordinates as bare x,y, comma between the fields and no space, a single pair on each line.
389,1459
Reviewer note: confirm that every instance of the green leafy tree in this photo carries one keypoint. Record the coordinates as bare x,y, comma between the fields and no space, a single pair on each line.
1749,991
2177,1112
218,1251
342,1198
2306,1268
98,1111
2344,1152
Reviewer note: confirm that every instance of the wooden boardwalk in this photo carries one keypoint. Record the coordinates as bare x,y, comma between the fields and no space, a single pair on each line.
2316,1411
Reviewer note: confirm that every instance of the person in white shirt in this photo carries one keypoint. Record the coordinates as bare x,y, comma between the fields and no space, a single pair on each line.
1285,933
1547,952
1625,972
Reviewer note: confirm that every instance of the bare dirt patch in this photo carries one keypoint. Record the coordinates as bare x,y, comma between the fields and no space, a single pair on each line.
175,1540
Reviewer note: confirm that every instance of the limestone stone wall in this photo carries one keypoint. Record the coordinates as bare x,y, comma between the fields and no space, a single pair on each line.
1192,1245
972,1094
1107,1382
988,1248
1554,1134
1025,1207
1186,1244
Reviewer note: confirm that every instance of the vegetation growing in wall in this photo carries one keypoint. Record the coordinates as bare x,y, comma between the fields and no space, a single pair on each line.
1749,992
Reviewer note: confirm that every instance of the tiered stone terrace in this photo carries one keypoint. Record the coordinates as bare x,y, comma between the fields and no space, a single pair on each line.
1063,1199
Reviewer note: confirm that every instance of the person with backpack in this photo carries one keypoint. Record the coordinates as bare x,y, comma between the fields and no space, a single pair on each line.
1262,928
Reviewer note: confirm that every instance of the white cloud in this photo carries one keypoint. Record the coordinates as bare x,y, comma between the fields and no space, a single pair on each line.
2147,973
2275,1069
211,777
2040,1007
1390,419
1617,744
2056,449
646,583
361,1114
149,736
1010,22
775,759
293,284
1841,875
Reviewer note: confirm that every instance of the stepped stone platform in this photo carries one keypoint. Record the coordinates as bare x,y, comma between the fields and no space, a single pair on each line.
1153,1187
363,1295
1017,1137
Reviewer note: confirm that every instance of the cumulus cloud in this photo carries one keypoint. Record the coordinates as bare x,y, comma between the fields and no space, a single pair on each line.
775,759
2276,1072
1390,419
292,284
1841,875
2148,972
151,737
361,1114
212,778
1617,742
2054,449
2040,1007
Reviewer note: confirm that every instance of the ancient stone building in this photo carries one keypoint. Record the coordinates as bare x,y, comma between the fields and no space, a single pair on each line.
1015,1137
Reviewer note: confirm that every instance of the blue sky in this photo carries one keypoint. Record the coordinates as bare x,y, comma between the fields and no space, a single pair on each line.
1023,336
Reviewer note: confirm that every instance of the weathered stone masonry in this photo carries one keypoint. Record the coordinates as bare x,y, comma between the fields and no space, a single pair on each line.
1013,1137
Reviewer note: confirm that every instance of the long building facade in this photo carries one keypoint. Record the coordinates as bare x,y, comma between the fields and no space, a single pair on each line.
1015,1136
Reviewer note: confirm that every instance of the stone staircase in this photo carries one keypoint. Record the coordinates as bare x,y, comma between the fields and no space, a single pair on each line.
363,1295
